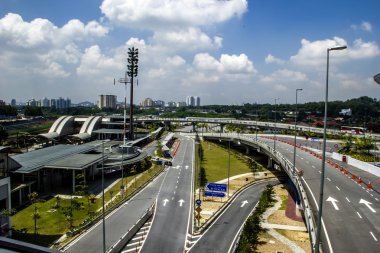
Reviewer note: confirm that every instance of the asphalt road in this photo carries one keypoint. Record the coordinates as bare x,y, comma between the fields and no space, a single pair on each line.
222,233
351,220
118,222
171,220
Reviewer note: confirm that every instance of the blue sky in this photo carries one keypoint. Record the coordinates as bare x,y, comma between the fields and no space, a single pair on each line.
226,52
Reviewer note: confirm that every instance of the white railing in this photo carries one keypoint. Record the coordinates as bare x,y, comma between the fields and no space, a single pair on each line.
287,166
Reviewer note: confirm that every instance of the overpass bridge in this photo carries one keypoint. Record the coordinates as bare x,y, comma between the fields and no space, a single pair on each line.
350,222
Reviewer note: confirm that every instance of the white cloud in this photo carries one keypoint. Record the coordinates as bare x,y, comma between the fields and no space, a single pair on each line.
41,33
271,59
155,14
314,53
284,75
227,64
365,26
189,39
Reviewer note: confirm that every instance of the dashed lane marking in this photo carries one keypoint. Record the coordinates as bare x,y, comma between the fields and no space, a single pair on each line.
359,215
373,236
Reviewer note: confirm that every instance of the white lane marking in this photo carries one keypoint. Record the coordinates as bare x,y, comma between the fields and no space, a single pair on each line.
359,215
165,201
313,166
298,155
329,179
243,203
373,236
367,203
337,188
180,202
377,199
319,171
172,198
301,158
307,162
174,193
323,223
176,186
348,200
333,202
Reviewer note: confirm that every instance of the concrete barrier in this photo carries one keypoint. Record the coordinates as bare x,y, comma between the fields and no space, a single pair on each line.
120,244
358,164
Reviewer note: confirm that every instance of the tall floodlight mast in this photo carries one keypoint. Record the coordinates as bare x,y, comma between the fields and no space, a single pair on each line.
133,59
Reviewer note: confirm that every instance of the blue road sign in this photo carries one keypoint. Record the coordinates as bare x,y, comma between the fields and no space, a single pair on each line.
214,194
216,187
198,202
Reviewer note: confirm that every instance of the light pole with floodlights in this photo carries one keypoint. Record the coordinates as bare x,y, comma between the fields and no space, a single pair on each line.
275,122
295,133
319,222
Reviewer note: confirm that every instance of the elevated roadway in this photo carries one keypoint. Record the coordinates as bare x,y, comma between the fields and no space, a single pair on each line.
351,220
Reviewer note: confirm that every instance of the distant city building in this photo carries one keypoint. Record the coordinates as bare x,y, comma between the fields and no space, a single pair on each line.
190,101
148,102
86,104
53,103
45,102
158,103
107,101
171,104
32,102
13,102
197,101
193,101
181,104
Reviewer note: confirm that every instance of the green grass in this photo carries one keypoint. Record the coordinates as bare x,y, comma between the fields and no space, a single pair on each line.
284,200
52,225
32,129
215,162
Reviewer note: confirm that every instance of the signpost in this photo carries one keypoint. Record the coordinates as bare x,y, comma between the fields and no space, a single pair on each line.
198,202
216,187
214,194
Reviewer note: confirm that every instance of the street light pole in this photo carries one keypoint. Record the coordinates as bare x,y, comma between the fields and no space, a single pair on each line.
103,218
256,120
295,133
319,222
229,165
275,122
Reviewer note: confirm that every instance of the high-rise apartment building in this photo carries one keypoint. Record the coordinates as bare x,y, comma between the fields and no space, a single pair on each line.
107,101
13,102
193,101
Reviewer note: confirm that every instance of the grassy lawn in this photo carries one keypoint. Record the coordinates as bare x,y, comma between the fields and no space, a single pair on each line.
32,129
52,225
215,162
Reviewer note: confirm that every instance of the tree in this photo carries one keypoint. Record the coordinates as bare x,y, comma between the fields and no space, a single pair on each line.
69,211
159,152
6,213
348,144
3,134
365,143
33,197
202,177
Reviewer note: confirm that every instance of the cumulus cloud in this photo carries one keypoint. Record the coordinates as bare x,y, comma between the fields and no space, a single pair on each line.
365,26
228,64
157,14
314,53
17,33
271,59
189,39
284,75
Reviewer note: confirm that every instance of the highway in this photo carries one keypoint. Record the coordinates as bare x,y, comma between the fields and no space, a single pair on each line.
172,218
222,234
118,222
351,220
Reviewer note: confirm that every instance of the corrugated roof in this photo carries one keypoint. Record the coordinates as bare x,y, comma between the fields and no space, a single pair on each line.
35,160
77,161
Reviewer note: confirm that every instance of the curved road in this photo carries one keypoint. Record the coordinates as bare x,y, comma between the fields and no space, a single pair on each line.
221,235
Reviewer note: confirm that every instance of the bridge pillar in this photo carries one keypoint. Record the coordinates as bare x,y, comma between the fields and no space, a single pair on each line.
193,124
247,150
221,128
167,125
270,163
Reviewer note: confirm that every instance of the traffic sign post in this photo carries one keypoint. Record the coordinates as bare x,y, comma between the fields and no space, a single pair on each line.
214,194
216,187
198,202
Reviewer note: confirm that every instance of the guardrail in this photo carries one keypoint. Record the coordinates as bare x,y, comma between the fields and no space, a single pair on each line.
120,244
288,167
